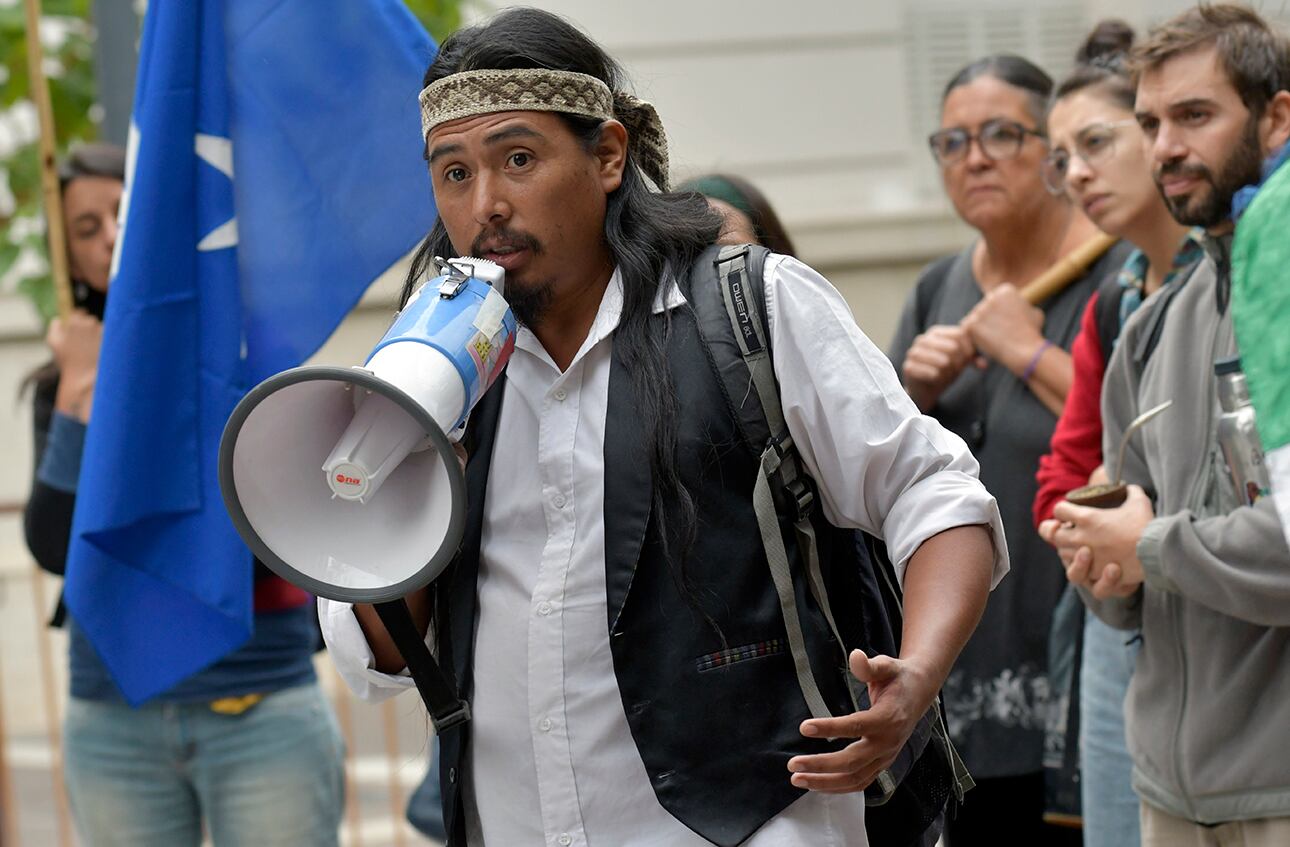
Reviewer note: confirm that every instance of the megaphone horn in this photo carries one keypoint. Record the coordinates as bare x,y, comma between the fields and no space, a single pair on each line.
344,481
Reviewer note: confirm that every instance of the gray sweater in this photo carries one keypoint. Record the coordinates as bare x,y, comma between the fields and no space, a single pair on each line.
1208,710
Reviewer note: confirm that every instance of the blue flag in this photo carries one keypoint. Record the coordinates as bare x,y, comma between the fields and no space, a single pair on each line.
275,170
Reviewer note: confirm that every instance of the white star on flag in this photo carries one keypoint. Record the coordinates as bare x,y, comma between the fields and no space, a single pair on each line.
218,153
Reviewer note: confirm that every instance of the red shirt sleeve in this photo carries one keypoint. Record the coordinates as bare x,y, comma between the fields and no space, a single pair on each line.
1076,447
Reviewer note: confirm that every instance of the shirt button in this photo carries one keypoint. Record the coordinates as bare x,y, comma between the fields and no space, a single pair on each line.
452,776
560,394
545,724
544,608
558,501
565,840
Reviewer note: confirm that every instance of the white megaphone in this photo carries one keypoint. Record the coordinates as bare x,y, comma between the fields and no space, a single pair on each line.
344,481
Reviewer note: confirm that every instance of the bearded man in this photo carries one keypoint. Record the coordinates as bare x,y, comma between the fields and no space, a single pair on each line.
1205,577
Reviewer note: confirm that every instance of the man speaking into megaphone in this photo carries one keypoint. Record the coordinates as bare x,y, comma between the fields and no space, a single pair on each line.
644,662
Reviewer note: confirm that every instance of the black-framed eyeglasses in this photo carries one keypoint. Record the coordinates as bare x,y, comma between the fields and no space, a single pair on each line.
1094,144
999,138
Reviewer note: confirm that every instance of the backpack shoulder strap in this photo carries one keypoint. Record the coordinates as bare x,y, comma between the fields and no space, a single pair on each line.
1106,315
728,299
1153,324
736,336
729,302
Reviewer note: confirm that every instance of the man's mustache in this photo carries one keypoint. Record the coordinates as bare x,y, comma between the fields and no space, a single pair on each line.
1182,169
503,237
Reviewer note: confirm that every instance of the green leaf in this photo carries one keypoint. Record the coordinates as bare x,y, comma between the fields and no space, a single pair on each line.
40,291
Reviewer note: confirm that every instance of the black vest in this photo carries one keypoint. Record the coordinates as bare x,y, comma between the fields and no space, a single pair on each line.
714,723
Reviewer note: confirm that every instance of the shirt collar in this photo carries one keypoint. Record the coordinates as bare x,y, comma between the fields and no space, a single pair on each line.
610,312
668,296
1134,273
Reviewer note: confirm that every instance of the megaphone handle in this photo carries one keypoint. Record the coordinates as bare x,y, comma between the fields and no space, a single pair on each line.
439,695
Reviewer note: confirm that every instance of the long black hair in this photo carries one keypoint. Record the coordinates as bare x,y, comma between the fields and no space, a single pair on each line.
653,237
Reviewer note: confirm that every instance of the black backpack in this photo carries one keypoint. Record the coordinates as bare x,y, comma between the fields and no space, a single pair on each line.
907,801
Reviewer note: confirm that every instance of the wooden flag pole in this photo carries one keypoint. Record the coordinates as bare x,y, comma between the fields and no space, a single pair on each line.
56,236
1067,269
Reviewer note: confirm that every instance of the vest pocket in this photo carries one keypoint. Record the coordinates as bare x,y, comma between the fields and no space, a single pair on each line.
735,655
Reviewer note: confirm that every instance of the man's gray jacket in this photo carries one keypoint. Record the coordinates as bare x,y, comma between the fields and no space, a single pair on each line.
1208,710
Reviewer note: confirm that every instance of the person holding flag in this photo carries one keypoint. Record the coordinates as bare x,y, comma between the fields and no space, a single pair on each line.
256,716
258,204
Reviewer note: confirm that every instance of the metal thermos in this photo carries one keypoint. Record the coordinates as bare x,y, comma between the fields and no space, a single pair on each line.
1237,436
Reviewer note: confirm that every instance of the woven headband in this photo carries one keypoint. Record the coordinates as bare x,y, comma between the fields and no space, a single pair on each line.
471,93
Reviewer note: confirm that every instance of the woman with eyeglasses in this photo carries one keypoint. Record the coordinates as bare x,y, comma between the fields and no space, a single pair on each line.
1097,159
994,369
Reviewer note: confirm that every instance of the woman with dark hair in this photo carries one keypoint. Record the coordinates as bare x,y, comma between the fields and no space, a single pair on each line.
994,369
1099,161
246,751
747,214
90,179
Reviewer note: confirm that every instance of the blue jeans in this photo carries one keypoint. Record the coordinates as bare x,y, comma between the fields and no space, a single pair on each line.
1110,807
272,776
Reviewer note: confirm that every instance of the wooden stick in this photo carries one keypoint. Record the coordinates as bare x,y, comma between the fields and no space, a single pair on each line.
8,808
56,236
53,726
1067,269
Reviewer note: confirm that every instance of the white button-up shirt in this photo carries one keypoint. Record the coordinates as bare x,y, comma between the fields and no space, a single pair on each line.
551,759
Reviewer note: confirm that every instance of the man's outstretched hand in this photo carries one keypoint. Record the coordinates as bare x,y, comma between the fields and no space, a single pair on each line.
899,694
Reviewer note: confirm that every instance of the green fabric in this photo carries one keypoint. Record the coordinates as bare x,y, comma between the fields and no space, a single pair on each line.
1261,305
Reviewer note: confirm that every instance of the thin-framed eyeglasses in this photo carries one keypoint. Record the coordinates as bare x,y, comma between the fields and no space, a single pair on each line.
1094,145
1000,138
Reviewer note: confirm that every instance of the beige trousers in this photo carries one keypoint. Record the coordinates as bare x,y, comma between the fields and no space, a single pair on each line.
1161,829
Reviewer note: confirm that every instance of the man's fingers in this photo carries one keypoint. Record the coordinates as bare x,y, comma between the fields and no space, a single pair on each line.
877,669
1078,569
1065,535
1067,512
847,760
856,757
850,769
835,783
847,726
1108,583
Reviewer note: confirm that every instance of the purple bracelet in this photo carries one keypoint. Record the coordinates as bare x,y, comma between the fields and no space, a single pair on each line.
1034,361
